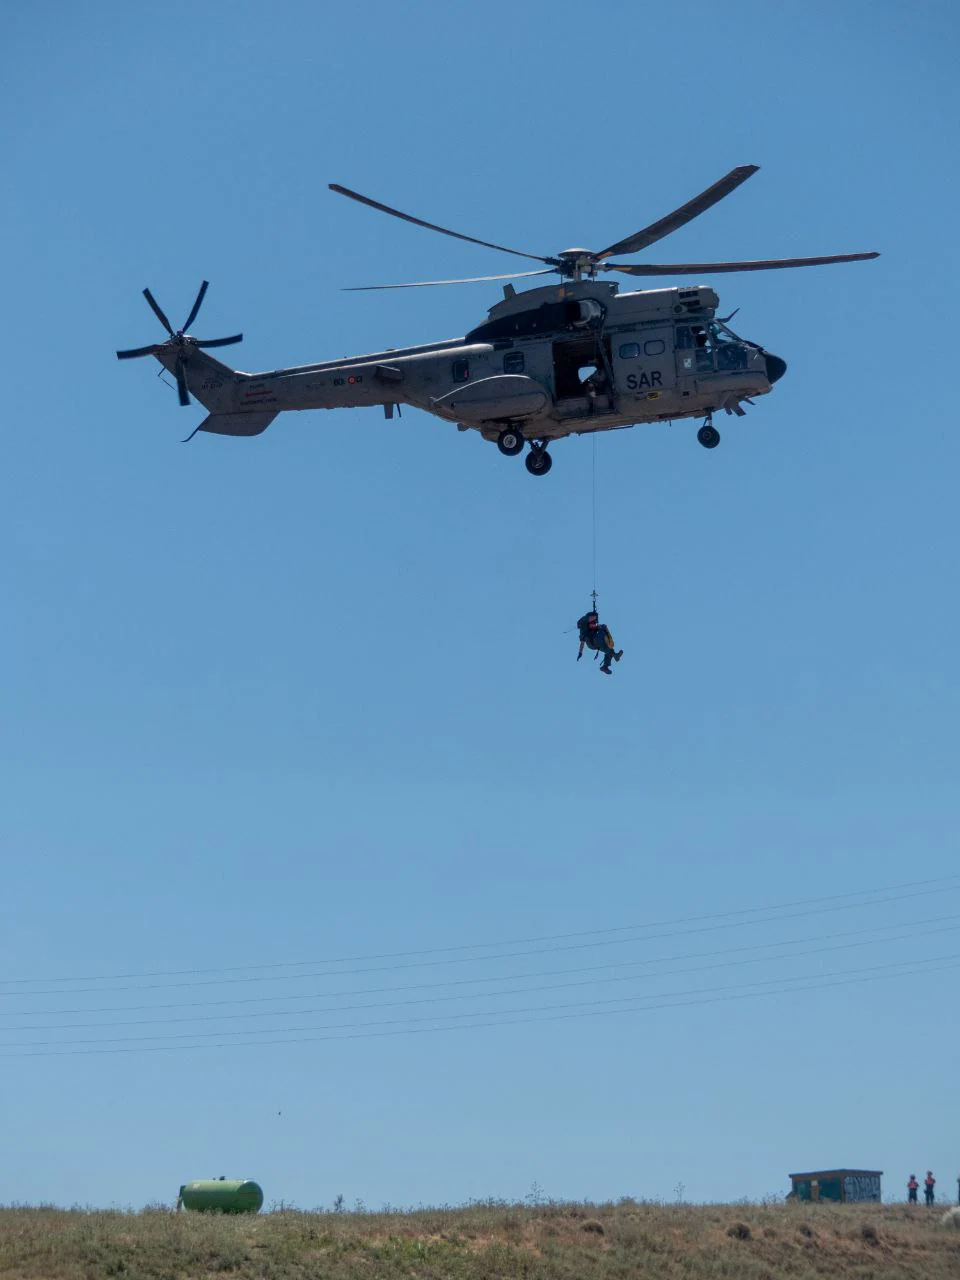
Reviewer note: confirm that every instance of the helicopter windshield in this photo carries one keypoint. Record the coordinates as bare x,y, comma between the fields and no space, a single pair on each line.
726,334
731,351
714,345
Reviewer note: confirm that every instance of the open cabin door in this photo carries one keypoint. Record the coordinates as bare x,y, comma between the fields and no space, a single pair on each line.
580,372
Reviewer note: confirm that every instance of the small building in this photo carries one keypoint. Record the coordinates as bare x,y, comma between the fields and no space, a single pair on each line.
852,1186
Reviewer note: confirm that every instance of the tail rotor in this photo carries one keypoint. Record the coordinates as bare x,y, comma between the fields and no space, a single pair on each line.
179,341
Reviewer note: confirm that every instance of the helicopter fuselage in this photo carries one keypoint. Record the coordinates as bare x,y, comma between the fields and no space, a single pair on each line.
546,363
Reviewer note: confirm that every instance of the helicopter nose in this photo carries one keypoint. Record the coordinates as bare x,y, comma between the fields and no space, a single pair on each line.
776,367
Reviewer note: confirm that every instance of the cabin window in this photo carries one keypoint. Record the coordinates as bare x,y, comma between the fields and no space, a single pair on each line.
655,347
460,370
630,350
513,362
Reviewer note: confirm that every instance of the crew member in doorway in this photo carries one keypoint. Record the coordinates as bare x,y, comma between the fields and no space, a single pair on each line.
595,383
912,1188
595,635
929,1183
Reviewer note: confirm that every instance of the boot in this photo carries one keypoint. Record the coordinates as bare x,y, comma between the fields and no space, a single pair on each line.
605,668
618,655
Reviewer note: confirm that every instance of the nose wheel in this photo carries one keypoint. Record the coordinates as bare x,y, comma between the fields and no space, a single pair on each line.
538,462
708,435
510,441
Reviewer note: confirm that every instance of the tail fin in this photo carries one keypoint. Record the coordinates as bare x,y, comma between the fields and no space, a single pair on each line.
235,424
215,385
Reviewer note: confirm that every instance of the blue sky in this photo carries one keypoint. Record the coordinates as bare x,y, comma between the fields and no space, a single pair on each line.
310,696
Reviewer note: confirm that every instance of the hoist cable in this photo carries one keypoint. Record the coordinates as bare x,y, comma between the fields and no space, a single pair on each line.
594,438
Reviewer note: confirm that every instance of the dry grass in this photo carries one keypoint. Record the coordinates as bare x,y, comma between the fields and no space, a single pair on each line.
626,1241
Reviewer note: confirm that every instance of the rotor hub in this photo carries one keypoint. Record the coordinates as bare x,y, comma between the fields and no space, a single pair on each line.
577,263
178,340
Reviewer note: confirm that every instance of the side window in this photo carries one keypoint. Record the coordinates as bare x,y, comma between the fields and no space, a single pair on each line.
655,347
513,362
630,350
684,338
460,370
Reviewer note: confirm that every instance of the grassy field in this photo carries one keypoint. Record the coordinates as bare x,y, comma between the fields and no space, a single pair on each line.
566,1241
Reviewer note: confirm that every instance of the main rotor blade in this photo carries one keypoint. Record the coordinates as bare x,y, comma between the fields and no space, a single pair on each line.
709,268
431,226
217,342
673,221
196,306
182,392
137,351
423,284
157,312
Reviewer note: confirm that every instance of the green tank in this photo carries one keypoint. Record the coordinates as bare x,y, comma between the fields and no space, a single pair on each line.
221,1195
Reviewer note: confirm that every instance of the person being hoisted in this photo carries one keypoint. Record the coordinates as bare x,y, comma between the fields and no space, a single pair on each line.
595,635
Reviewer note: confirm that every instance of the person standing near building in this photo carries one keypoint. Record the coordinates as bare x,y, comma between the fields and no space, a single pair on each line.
912,1186
929,1183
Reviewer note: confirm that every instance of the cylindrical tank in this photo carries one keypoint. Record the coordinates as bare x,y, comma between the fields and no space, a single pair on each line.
222,1195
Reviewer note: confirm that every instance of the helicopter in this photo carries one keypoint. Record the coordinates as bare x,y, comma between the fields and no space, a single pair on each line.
561,359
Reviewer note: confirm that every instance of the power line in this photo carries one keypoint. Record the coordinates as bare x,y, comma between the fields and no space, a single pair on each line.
950,881
504,1019
919,928
944,885
395,1004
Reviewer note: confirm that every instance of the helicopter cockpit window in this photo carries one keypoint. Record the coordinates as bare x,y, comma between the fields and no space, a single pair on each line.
513,362
691,337
698,340
731,354
630,350
460,370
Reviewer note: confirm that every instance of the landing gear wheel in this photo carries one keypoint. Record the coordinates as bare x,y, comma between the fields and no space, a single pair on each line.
538,461
708,436
510,441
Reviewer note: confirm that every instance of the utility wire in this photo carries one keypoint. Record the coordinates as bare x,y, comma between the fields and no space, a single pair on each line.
603,939
916,928
505,1019
440,999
